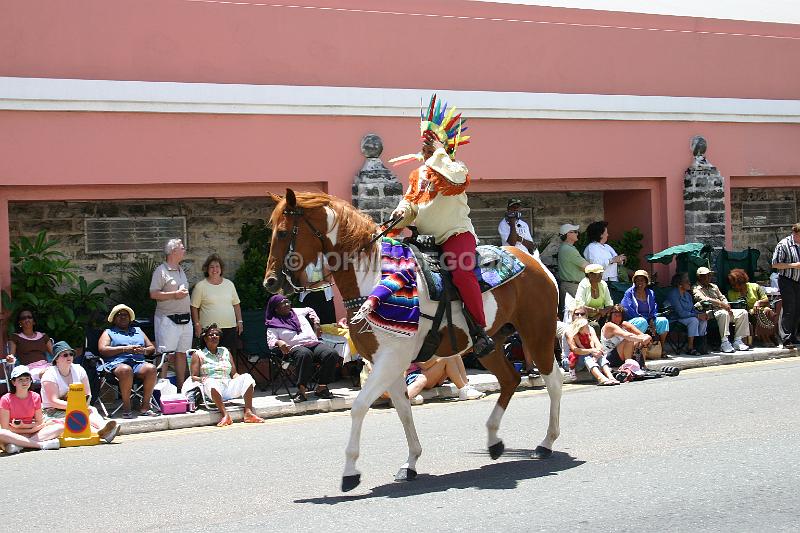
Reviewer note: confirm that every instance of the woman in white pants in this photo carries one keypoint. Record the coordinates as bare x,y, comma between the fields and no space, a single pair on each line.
213,369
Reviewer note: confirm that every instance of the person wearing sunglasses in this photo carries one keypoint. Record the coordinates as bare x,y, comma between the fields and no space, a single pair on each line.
586,351
22,423
27,346
55,386
214,369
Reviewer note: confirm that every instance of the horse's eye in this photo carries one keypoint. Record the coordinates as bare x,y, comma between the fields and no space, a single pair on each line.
282,234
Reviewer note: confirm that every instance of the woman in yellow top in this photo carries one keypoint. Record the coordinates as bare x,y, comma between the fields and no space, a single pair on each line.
215,301
593,293
763,318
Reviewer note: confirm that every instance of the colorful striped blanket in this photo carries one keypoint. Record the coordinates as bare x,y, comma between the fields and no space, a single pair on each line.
398,312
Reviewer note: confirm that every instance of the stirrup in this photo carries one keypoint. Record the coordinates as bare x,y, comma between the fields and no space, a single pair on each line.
483,344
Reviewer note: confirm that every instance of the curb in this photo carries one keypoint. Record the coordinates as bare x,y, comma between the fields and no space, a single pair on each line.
274,407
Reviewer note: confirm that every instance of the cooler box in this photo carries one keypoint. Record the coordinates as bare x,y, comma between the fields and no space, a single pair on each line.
172,404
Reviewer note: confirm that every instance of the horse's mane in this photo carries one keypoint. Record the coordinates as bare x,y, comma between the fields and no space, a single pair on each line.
356,228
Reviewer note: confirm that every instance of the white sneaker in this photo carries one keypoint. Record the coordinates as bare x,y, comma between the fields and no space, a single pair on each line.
726,347
468,392
739,345
11,448
52,444
417,400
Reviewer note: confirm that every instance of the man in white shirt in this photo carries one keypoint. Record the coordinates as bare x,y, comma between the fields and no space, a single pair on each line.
513,230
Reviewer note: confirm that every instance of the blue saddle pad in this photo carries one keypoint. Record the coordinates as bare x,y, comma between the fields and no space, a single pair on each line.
494,267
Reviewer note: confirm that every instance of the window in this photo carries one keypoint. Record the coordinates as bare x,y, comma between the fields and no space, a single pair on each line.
117,235
768,214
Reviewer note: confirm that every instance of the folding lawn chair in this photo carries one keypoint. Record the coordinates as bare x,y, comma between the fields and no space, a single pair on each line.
255,351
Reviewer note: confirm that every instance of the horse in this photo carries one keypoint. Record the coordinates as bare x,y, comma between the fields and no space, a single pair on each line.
306,225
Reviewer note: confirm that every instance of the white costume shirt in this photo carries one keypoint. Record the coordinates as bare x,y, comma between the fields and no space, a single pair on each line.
602,254
522,230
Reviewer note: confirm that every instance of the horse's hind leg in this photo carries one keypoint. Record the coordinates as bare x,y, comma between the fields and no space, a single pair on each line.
397,391
385,372
508,378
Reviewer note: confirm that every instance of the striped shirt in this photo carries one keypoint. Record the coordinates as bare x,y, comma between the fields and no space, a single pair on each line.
787,251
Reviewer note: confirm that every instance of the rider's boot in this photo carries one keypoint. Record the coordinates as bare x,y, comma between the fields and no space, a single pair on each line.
482,343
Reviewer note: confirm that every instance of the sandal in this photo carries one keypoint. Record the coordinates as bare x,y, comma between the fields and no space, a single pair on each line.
225,421
128,415
149,412
607,383
692,352
253,419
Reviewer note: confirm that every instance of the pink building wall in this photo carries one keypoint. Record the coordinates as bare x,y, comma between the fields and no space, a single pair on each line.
378,43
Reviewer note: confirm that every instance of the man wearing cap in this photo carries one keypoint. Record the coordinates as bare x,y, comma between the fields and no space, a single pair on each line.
708,294
570,263
513,230
786,260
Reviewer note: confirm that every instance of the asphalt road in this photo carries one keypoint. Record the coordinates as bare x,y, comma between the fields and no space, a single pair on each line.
714,449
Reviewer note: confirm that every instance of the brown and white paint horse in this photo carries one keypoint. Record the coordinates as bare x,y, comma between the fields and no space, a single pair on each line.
307,224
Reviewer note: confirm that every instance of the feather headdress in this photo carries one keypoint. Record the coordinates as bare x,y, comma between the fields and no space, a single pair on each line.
440,122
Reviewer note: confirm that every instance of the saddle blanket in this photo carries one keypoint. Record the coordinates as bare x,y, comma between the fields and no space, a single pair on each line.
494,267
398,312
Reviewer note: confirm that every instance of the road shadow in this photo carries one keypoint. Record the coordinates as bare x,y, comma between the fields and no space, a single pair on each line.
493,476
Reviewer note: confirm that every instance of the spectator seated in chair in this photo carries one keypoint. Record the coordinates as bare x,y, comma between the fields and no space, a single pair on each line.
124,348
621,339
214,370
434,372
29,347
707,293
757,303
22,423
684,311
295,332
641,309
55,386
586,350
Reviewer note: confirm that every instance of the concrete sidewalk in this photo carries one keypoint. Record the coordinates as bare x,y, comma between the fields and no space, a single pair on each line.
268,406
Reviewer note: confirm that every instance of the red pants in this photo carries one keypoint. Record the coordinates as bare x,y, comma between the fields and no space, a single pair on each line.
459,256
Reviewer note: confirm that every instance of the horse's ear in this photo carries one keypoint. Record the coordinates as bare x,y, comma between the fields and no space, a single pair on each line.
291,199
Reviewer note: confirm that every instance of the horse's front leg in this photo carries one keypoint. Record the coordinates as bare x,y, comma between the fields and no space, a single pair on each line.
385,371
402,405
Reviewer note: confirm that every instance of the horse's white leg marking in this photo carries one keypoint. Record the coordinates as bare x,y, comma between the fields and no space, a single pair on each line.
493,425
387,368
553,382
397,391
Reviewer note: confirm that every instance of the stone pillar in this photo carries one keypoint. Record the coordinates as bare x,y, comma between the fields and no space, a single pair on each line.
376,190
704,199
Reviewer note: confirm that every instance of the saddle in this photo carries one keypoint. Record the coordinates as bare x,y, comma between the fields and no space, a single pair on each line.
494,267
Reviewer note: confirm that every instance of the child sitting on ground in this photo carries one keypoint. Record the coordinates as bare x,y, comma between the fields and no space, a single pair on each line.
586,350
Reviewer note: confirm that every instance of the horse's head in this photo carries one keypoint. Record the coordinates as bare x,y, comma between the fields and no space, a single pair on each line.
299,235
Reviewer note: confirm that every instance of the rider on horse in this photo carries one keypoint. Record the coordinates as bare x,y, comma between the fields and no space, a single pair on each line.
436,203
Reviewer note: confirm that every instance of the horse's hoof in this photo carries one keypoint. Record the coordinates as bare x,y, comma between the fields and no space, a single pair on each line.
496,450
350,482
541,453
405,474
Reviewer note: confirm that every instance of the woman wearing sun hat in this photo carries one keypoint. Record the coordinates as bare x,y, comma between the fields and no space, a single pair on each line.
639,304
55,386
593,293
124,348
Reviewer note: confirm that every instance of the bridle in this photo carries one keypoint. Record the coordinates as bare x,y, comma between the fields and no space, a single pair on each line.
296,214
